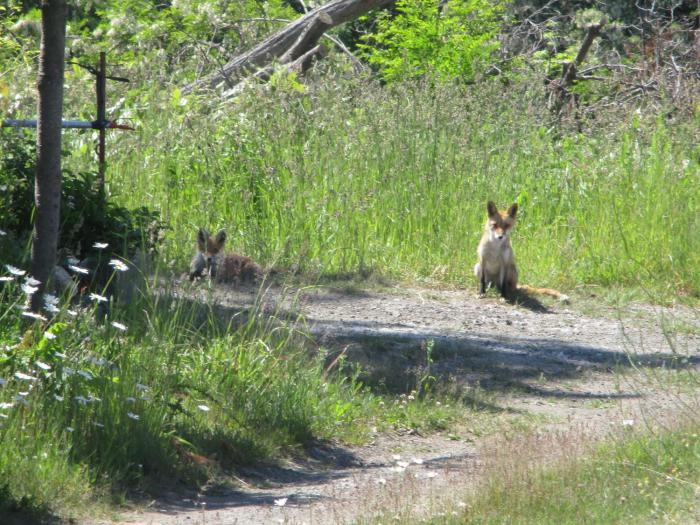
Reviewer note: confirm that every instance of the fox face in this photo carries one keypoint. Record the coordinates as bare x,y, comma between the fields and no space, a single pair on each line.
220,266
500,224
209,248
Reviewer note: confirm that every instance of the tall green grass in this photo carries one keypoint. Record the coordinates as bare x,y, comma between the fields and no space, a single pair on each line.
350,176
155,391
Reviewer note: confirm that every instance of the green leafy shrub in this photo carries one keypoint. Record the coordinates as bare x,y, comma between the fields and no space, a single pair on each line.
86,216
454,41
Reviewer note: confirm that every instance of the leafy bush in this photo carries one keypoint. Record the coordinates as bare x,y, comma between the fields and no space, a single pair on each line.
86,216
453,42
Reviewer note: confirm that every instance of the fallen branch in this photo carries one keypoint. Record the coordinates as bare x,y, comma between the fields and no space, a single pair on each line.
295,35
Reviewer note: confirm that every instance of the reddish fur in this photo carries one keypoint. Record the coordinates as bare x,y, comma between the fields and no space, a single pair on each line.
230,267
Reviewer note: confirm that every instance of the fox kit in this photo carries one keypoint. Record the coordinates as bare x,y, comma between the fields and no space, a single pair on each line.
496,266
220,266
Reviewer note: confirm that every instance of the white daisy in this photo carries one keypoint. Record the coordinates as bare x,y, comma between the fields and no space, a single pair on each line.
99,298
29,289
78,269
33,315
14,270
118,265
100,245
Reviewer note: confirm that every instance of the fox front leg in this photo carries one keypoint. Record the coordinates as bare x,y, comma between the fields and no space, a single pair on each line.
197,266
481,275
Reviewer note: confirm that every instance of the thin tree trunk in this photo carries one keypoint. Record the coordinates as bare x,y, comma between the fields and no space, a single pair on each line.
336,12
47,189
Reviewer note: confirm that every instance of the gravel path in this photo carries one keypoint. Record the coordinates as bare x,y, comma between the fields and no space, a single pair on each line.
590,373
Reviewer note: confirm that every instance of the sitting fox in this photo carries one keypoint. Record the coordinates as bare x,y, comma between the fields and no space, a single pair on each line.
496,266
220,266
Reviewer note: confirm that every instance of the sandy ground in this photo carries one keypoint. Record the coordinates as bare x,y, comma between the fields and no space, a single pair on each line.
588,373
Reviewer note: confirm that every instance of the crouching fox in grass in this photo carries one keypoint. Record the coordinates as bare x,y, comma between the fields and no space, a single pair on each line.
221,266
496,266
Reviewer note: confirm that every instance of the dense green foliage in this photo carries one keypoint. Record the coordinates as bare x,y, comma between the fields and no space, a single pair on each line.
86,217
450,43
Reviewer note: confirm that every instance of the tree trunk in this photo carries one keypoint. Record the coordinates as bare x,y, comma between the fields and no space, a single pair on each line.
334,13
47,188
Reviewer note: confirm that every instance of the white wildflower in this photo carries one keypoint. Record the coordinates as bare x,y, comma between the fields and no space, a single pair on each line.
14,270
85,374
29,289
70,429
93,399
4,416
141,387
43,365
99,298
72,313
98,425
118,265
58,398
3,232
31,281
49,335
100,245
280,502
50,299
6,279
133,416
34,315
24,377
203,408
119,326
4,406
78,269
52,308
61,355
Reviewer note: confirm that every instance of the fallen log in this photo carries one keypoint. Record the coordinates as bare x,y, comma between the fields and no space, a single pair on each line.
297,37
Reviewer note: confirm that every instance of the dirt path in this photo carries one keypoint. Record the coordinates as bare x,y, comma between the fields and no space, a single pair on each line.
573,371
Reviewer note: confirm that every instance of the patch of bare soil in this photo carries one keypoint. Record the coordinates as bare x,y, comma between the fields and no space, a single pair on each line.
588,374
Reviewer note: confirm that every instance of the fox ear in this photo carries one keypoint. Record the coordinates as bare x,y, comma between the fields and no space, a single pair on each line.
491,209
513,210
220,238
202,237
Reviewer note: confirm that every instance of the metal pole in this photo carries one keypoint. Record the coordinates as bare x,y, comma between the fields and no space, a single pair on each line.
101,88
